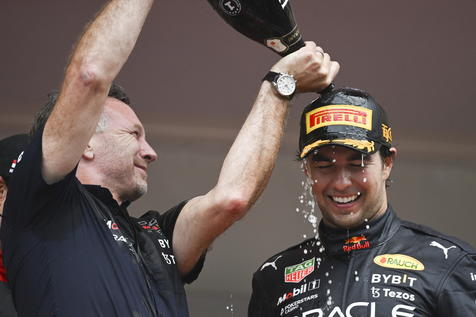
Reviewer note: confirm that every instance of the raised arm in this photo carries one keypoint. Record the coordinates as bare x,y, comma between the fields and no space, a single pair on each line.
98,57
248,165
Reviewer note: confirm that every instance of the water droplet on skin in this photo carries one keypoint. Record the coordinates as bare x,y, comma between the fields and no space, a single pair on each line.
365,180
366,220
334,160
362,163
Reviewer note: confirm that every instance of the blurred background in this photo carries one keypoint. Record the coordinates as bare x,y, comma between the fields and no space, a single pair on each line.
193,80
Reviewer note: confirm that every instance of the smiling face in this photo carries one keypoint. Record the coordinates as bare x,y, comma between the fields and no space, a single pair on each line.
121,152
348,187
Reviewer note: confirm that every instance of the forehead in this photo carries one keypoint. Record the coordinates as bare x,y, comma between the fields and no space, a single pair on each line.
119,113
343,152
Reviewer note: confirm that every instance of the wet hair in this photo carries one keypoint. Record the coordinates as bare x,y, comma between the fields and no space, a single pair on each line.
44,113
385,153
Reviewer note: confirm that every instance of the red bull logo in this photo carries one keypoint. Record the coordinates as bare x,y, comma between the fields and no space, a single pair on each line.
356,243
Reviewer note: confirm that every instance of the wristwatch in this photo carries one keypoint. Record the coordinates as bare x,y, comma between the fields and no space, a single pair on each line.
284,84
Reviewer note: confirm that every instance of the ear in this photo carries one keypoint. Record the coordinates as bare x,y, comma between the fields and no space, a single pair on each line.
388,163
88,153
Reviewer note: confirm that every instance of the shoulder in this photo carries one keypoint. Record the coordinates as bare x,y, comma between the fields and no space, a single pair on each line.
426,233
289,256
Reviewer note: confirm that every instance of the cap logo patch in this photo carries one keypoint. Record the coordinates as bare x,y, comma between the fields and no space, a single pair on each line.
339,115
387,133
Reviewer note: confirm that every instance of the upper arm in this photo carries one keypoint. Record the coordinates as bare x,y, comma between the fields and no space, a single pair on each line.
458,291
202,219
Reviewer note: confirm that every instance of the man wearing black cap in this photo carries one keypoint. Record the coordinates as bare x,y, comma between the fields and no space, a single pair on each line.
11,149
364,261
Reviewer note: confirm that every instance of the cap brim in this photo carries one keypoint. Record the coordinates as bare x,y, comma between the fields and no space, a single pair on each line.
362,146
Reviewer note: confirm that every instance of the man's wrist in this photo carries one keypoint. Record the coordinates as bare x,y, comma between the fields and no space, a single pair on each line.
283,84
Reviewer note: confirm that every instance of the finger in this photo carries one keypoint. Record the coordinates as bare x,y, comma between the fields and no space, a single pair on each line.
333,71
325,64
326,60
310,44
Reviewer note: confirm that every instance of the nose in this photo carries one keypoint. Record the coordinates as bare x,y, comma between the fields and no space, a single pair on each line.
148,153
343,179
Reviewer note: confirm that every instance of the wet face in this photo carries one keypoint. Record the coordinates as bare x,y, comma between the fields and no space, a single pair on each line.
121,152
347,186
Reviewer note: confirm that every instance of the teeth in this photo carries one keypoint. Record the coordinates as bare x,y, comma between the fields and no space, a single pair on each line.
345,200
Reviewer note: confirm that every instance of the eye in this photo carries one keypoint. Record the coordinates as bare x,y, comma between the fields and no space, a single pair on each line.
358,163
321,164
135,133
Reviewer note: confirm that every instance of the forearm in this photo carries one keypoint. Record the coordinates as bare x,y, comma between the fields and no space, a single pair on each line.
99,55
244,175
109,39
251,159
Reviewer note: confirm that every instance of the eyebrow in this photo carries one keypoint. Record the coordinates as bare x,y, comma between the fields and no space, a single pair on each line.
353,157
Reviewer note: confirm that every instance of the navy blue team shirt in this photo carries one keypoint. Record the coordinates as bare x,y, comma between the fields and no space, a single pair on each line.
71,250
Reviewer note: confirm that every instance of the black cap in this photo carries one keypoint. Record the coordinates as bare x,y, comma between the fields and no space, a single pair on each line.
344,116
10,150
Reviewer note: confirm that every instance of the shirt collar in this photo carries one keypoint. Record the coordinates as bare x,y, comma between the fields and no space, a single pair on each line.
369,235
105,196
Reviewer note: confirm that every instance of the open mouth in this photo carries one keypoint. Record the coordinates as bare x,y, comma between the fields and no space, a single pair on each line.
342,200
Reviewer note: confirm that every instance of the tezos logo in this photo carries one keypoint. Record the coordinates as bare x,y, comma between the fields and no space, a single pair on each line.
296,273
230,7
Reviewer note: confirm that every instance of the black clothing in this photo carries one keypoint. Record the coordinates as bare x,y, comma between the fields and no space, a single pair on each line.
71,250
7,309
387,268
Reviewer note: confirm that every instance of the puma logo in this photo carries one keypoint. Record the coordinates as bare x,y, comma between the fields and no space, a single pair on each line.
273,264
445,250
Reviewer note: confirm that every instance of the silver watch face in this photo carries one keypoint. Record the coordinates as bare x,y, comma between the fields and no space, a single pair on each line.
286,85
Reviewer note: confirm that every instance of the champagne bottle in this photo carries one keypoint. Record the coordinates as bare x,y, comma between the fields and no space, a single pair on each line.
269,22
